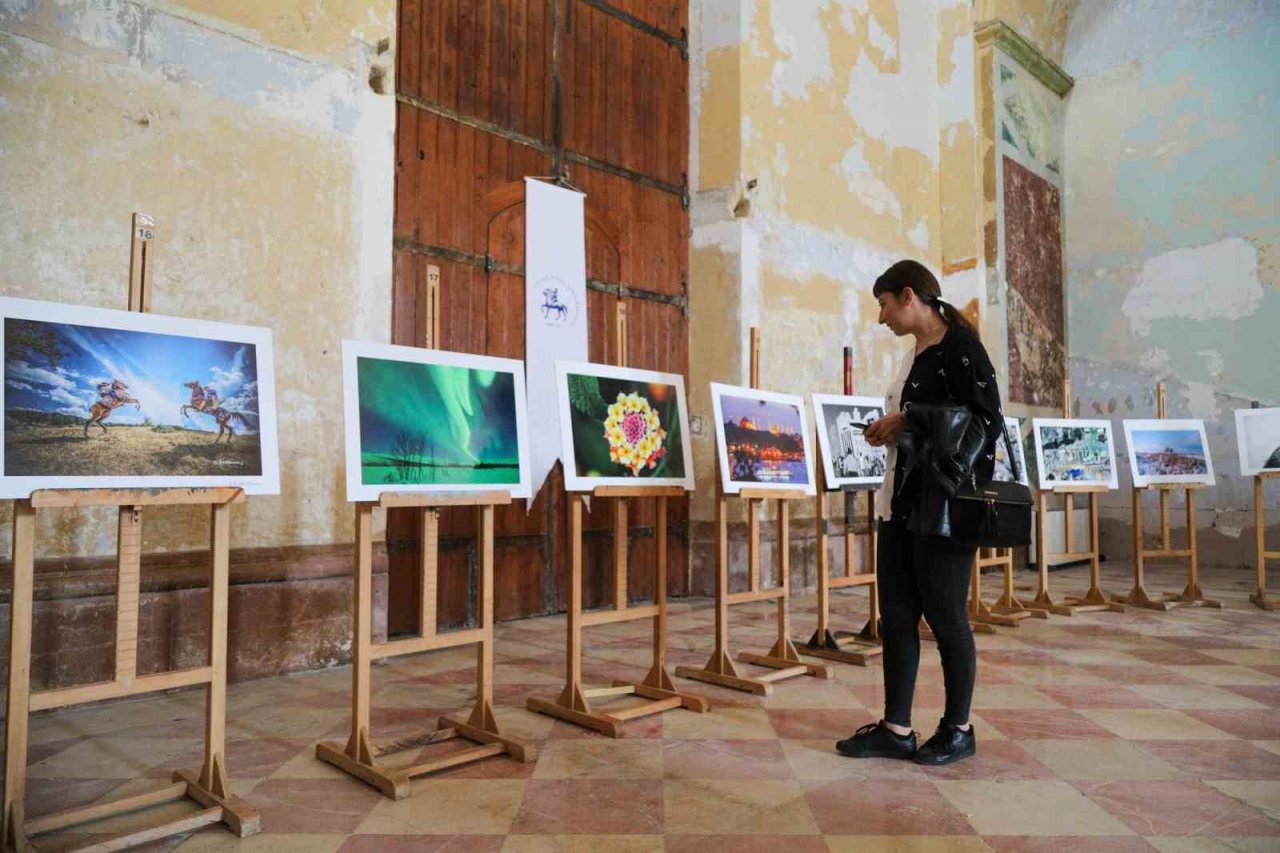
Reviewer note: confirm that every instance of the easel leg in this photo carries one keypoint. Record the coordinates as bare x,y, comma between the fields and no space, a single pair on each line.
482,715
1138,596
19,692
362,620
482,725
1095,598
1259,597
211,788
1193,595
782,657
357,756
871,631
1043,601
720,667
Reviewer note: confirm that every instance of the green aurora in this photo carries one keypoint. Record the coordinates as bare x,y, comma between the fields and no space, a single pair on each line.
436,423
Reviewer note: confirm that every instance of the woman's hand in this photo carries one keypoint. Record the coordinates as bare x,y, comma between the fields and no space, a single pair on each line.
886,429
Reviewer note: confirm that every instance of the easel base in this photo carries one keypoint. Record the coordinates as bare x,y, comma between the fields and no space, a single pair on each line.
987,616
1009,605
394,782
1139,597
1045,604
240,817
1260,600
833,647
1193,597
721,671
1095,600
613,722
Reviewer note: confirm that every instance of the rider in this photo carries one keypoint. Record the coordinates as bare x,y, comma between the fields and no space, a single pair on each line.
111,393
211,394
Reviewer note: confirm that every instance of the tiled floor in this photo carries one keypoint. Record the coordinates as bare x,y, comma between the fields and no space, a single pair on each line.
1108,731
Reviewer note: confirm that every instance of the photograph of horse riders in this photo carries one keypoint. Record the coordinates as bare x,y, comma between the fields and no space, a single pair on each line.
84,400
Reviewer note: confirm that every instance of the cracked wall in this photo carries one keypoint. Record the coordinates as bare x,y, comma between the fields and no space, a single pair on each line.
250,132
1173,250
831,138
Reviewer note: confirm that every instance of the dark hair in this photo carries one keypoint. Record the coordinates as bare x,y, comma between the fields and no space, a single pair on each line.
916,276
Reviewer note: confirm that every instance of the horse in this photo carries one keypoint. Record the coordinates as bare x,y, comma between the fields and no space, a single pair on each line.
100,410
551,303
223,417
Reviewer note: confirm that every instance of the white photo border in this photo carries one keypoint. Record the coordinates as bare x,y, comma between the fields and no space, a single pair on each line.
1186,424
574,483
259,337
824,445
1242,415
352,350
733,487
1049,485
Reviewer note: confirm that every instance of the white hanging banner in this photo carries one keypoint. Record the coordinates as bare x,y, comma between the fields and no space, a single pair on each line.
555,309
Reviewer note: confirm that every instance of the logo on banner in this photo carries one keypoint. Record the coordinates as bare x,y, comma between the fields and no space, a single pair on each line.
559,305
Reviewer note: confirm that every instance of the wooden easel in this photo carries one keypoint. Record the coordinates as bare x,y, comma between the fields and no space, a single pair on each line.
1259,597
1008,611
1095,599
209,787
783,658
573,704
1192,595
360,755
846,646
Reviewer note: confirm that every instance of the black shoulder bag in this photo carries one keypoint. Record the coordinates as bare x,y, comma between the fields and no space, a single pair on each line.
995,515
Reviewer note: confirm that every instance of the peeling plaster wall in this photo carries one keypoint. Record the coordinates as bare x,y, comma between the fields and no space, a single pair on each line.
1042,22
250,132
1173,247
830,138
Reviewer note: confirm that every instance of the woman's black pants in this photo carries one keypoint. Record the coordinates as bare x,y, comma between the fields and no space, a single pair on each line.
924,576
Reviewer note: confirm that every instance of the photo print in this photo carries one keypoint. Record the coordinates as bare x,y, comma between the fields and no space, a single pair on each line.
1168,451
1004,471
622,427
95,398
1074,452
420,420
847,459
763,439
1258,440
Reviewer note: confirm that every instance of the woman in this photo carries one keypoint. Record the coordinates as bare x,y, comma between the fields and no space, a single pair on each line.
920,572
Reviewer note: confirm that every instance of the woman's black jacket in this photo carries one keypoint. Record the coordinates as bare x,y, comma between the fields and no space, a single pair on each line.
952,409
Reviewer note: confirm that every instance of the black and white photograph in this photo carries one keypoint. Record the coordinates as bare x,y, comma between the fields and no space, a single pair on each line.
1004,471
847,459
1258,439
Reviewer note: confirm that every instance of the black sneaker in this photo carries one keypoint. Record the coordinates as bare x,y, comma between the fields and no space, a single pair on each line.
875,741
948,744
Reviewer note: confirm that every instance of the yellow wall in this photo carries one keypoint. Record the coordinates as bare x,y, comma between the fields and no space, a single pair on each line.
248,130
829,142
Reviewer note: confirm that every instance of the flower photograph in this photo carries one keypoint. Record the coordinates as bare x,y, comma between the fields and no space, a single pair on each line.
622,426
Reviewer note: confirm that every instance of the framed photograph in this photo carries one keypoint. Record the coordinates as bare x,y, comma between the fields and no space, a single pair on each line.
847,459
1073,452
95,398
1168,451
420,420
1258,439
1004,471
622,427
762,439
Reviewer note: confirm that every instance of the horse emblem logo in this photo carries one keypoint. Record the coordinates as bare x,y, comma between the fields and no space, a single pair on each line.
555,301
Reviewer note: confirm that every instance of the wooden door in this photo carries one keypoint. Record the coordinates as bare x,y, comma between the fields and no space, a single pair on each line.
491,91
